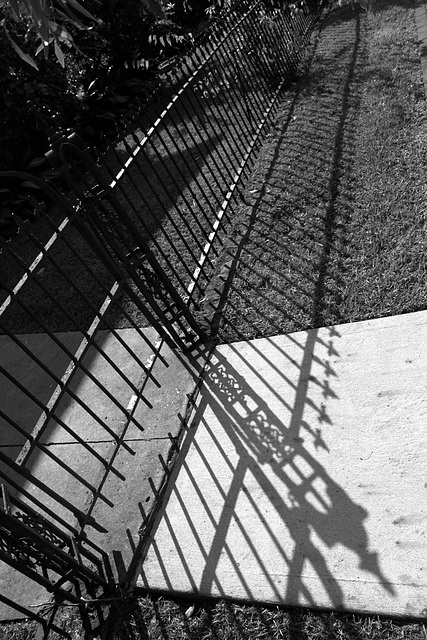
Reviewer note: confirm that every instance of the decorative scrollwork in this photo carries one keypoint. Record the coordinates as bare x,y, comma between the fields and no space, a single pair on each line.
24,542
26,552
40,525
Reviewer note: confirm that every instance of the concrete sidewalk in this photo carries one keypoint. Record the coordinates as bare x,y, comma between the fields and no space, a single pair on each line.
133,497
302,480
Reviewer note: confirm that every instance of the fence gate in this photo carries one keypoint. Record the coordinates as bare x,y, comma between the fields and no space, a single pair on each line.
72,293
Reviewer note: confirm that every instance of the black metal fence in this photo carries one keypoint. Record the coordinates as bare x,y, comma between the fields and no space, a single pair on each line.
170,186
132,245
74,364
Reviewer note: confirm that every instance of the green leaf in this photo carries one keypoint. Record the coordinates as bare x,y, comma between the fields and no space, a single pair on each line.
59,54
59,32
15,8
36,162
40,48
24,56
40,14
78,7
156,7
74,21
29,184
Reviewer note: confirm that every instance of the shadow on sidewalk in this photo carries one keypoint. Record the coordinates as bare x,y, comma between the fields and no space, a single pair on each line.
255,510
255,515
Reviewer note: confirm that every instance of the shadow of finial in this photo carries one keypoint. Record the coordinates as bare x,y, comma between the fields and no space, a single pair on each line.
370,562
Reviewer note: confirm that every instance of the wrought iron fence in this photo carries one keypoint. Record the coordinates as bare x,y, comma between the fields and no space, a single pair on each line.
133,244
68,347
170,186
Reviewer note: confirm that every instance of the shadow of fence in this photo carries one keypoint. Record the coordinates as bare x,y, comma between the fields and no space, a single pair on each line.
253,512
134,242
282,265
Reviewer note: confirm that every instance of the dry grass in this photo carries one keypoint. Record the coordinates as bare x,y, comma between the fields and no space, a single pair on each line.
146,618
167,620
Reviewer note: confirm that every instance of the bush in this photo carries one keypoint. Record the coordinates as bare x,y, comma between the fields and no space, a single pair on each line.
113,68
21,85
189,13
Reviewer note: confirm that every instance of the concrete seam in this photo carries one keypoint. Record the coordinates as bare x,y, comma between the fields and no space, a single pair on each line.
146,531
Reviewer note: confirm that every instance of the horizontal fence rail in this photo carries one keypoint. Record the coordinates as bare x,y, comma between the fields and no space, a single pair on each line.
117,267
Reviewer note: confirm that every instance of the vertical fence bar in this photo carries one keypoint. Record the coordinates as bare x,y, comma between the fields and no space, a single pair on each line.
156,222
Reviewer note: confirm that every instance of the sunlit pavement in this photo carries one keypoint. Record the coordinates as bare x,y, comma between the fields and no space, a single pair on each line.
302,478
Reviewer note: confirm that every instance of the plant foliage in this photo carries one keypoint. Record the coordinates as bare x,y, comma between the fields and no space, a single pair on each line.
49,22
109,58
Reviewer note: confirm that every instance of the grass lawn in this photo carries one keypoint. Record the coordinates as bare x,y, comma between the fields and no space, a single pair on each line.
332,231
161,619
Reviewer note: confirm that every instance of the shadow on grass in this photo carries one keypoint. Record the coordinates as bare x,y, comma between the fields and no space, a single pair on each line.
263,527
282,272
283,267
